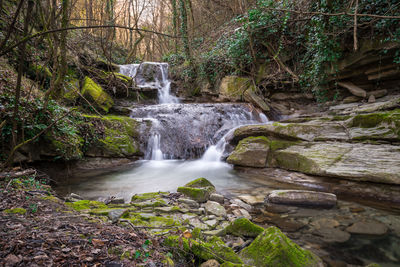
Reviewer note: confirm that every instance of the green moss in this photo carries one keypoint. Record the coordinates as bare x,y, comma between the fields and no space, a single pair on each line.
147,196
86,205
196,233
150,203
120,137
68,146
229,264
280,144
243,227
296,162
71,91
273,249
215,249
200,182
51,198
16,211
96,94
197,194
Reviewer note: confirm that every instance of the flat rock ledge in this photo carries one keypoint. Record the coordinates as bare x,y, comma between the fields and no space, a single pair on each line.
302,198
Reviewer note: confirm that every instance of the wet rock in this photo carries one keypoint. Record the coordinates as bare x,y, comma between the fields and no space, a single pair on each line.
288,225
302,198
217,198
252,200
273,248
195,222
215,208
210,263
190,203
117,201
333,235
371,99
250,152
325,223
351,99
73,198
242,213
368,228
212,223
360,162
241,204
277,208
243,227
114,215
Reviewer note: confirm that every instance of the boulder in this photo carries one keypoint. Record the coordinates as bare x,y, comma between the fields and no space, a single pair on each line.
115,214
232,88
250,152
96,95
217,198
377,93
355,90
333,235
198,190
120,137
273,248
189,202
210,263
243,227
368,228
302,198
360,162
215,248
215,208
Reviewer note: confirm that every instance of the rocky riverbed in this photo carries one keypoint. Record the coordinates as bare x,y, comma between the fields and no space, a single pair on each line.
197,218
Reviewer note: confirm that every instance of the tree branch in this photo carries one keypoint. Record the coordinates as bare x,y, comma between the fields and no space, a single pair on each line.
27,38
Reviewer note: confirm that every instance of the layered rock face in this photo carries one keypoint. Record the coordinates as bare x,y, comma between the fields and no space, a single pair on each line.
355,142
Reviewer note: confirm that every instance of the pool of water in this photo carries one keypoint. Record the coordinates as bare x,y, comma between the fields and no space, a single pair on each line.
152,176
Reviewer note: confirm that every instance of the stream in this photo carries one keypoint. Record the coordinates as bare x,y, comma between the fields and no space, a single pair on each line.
188,141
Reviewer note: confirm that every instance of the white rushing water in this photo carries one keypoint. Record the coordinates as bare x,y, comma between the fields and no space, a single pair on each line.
152,75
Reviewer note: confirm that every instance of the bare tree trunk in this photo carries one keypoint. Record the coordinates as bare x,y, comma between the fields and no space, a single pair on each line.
22,50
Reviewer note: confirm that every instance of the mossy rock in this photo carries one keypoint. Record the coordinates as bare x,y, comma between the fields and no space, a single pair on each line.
234,87
243,227
147,196
94,93
273,249
86,205
251,152
68,146
200,182
229,264
40,73
20,211
197,194
215,248
120,138
71,91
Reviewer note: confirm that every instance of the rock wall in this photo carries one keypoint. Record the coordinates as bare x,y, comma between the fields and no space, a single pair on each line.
355,142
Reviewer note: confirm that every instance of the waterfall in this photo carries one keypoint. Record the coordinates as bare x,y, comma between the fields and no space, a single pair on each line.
151,75
185,131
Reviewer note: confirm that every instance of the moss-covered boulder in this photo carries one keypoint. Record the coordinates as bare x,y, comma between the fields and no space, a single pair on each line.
251,152
354,161
96,95
198,190
232,88
147,196
86,205
244,228
199,183
119,139
215,248
273,249
197,194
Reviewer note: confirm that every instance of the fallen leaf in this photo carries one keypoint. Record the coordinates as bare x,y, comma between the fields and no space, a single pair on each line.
187,234
97,242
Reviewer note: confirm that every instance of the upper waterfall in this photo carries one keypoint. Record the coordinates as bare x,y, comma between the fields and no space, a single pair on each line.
152,75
